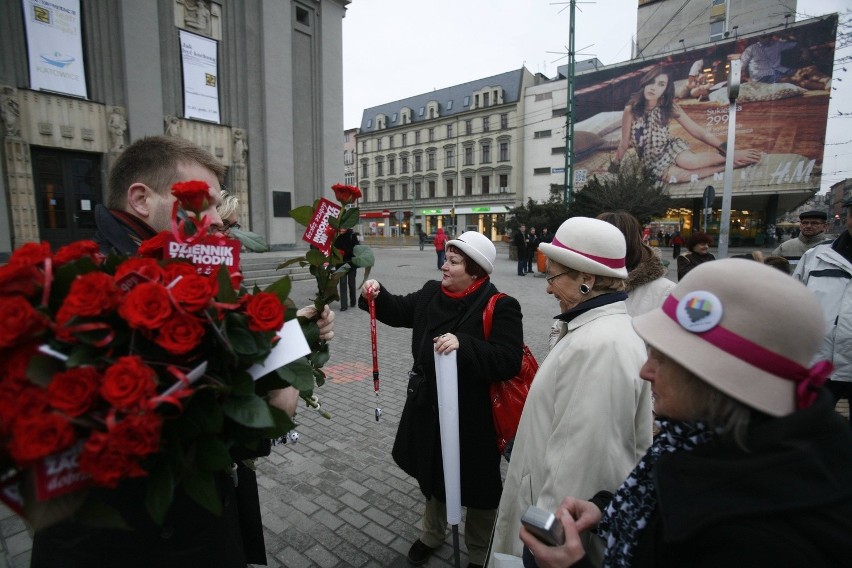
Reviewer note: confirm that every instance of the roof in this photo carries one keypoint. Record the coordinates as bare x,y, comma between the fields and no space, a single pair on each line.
511,83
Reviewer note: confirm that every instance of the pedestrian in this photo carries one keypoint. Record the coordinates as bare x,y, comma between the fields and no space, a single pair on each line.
422,238
677,242
519,241
813,225
587,418
532,247
346,241
668,238
546,237
440,243
446,316
698,245
750,454
826,270
140,206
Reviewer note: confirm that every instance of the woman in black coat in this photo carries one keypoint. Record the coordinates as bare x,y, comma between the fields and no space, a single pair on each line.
446,316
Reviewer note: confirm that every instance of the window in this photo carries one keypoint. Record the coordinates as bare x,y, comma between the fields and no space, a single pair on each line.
422,110
485,99
431,190
542,134
468,186
403,164
559,112
449,131
303,17
486,185
450,158
504,121
418,163
392,192
431,135
468,127
348,157
717,30
379,194
475,101
349,178
430,161
485,122
417,186
390,141
417,137
370,123
404,139
541,171
449,105
504,182
391,166
543,96
448,185
364,169
486,154
556,150
393,118
379,145
467,101
363,145
380,167
504,151
405,192
468,156
346,137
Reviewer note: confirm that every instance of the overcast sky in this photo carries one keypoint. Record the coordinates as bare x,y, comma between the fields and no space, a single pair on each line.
388,54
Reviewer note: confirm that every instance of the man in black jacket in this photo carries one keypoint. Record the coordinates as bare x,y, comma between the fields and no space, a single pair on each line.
519,240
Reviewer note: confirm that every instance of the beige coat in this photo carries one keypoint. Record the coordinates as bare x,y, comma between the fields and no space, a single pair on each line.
586,422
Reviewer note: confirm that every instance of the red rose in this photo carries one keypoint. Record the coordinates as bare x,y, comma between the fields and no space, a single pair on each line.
146,267
146,306
128,383
40,435
193,195
178,268
346,193
30,254
78,250
14,362
180,335
265,312
155,246
193,292
137,434
19,321
105,464
90,295
23,279
74,391
11,398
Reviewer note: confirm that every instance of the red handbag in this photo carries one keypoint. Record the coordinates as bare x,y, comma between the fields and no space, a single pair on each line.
508,397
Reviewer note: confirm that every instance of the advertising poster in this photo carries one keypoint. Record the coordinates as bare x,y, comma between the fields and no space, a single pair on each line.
199,56
671,113
55,46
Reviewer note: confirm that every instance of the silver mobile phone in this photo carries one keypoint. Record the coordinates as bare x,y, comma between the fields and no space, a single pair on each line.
545,526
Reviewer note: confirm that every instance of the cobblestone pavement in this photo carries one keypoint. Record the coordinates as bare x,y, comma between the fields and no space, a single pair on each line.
336,498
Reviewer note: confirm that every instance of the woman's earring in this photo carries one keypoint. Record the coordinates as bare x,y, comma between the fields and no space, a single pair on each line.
584,288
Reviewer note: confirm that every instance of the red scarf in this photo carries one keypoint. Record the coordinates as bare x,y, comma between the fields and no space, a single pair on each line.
477,284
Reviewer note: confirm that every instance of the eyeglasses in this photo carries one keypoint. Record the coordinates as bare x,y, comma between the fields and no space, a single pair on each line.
225,227
550,279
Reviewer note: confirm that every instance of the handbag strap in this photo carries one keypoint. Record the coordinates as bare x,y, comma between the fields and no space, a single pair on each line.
488,314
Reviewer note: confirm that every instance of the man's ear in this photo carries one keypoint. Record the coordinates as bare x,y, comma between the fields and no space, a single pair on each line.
138,196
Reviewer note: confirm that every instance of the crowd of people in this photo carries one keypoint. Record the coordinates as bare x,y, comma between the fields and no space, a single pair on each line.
669,425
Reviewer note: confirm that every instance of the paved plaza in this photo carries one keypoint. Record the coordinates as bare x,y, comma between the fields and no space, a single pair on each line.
336,498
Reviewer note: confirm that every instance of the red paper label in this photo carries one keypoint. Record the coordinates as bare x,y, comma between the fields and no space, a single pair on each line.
10,494
129,281
59,474
207,253
317,233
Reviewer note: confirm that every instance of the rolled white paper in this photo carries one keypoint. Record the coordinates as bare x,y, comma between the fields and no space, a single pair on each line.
446,374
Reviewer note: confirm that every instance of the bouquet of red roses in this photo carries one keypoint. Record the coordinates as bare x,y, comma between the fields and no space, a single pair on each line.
116,368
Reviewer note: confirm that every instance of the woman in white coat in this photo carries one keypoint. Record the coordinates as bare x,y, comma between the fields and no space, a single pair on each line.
587,419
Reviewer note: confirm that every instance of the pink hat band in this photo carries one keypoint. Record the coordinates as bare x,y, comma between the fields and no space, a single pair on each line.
608,262
807,380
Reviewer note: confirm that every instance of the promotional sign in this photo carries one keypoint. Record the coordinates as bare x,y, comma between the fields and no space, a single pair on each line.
200,59
319,233
55,46
207,254
671,113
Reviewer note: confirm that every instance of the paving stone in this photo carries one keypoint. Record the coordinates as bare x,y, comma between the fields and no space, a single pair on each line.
322,557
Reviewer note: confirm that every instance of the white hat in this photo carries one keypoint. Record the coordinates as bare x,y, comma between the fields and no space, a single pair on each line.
746,328
477,247
588,245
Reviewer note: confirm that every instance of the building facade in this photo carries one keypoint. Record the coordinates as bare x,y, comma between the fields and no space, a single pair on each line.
350,157
275,122
451,158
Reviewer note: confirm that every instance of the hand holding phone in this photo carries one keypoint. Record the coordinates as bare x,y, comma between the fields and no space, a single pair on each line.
544,526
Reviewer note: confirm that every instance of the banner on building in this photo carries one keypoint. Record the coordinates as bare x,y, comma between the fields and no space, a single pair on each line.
200,60
671,113
55,46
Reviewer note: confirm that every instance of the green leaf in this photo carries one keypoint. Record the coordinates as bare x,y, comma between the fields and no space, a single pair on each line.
204,412
283,423
300,259
363,257
202,488
302,215
281,288
316,258
268,382
311,331
241,383
251,411
319,358
226,293
299,374
242,341
349,218
41,368
211,454
160,490
252,241
81,356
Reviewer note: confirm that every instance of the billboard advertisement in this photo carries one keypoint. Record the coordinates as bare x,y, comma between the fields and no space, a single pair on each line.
55,46
200,59
671,113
